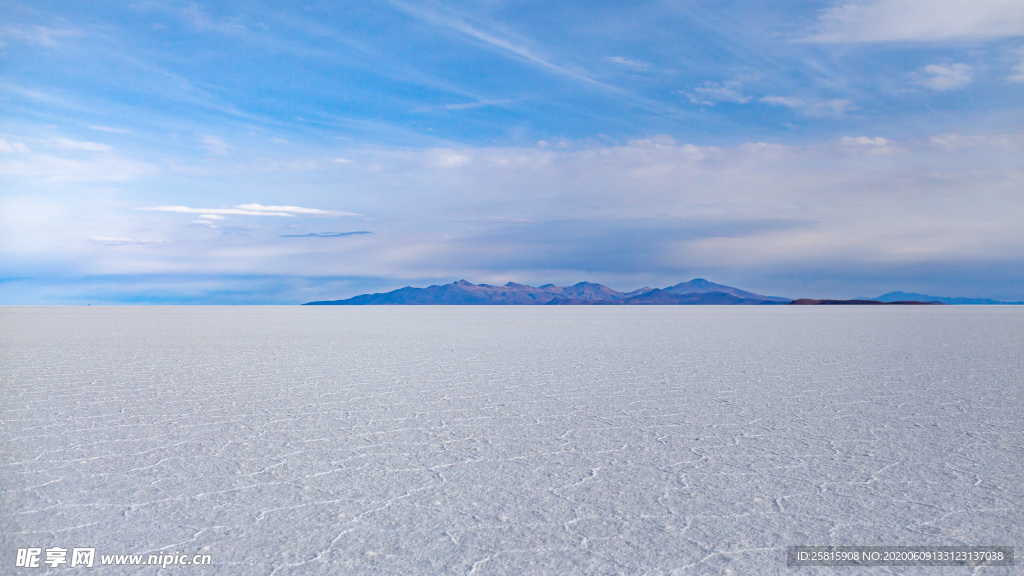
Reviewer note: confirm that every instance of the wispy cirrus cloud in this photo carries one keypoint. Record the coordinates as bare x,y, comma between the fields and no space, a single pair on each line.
472,105
80,145
630,63
41,97
874,141
250,209
500,41
200,19
328,234
478,104
712,93
193,15
61,160
813,107
868,144
214,145
108,129
177,209
945,77
39,35
12,146
118,241
297,210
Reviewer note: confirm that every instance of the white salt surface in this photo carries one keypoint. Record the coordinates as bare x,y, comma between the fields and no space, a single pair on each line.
490,440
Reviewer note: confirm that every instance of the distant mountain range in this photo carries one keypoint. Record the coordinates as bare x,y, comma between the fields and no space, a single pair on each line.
897,296
857,302
695,292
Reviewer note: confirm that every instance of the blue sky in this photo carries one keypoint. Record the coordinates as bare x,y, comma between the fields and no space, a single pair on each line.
274,152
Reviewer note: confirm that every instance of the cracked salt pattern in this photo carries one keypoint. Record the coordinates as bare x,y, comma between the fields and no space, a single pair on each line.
480,440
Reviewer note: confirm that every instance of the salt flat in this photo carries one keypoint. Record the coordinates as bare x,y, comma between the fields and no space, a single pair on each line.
492,440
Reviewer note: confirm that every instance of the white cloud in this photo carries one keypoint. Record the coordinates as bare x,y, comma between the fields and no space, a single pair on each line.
949,141
79,145
198,18
580,209
45,36
833,188
209,220
919,20
876,141
43,168
178,209
711,93
630,63
499,39
299,210
123,241
12,147
476,104
38,96
995,143
470,105
945,77
868,144
250,209
1017,73
109,129
812,107
214,145
451,158
194,16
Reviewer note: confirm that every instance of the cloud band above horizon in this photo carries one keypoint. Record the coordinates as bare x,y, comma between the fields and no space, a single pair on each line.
843,149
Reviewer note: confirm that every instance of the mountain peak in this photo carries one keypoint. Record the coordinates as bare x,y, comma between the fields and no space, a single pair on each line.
705,286
696,283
